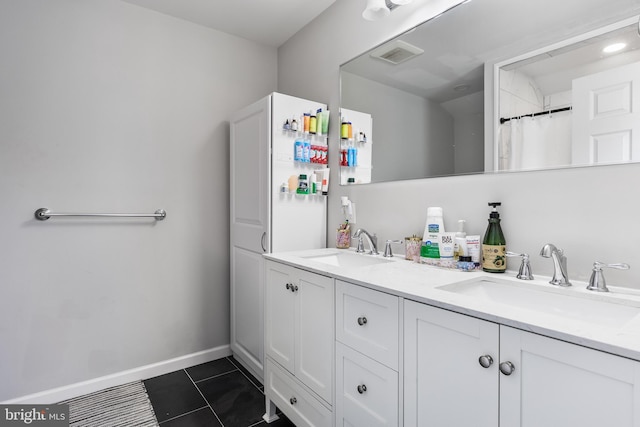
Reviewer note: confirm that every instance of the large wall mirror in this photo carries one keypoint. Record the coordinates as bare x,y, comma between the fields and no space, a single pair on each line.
435,95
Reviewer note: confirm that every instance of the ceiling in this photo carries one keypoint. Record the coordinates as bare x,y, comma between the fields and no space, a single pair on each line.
271,22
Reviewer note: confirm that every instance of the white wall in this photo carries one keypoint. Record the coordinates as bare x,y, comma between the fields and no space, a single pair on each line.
590,212
108,107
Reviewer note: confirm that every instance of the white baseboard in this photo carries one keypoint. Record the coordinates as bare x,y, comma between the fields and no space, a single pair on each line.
141,373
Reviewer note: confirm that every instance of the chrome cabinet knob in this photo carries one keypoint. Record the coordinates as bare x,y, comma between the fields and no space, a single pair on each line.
507,368
362,321
485,361
362,388
294,288
288,286
293,400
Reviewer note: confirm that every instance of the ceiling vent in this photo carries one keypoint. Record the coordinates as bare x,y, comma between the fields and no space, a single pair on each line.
396,52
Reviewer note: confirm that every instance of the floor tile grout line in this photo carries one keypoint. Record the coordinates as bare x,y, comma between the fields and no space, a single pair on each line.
182,415
245,375
205,399
215,376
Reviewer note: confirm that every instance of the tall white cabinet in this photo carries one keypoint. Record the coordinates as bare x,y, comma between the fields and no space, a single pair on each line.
262,217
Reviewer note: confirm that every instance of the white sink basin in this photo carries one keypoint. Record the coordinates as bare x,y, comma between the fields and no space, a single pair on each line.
604,310
348,259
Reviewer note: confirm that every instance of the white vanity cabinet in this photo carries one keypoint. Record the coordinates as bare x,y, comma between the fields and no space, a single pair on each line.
367,357
460,370
299,343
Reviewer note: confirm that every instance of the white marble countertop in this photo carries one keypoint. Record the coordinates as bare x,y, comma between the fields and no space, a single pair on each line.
419,282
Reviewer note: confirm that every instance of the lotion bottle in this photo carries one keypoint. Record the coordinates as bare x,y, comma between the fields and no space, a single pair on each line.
494,252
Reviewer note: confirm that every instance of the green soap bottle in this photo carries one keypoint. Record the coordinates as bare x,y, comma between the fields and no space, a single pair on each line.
494,245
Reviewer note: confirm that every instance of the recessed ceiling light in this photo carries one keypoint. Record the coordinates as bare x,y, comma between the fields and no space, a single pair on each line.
616,47
461,88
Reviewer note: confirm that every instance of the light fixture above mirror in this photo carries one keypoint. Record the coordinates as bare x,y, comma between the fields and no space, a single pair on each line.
378,9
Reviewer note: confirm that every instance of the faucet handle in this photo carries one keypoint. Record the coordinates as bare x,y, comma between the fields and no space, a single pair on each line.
597,282
387,248
525,267
360,246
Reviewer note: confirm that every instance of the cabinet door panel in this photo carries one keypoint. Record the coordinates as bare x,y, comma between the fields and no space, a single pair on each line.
280,316
444,383
314,333
367,391
560,384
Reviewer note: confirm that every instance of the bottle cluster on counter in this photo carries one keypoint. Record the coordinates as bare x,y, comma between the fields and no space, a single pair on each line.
460,250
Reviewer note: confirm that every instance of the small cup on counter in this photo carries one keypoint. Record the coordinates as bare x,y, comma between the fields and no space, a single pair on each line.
343,238
412,248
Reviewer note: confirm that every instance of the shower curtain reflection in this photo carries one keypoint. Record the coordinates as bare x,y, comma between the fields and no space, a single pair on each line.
535,142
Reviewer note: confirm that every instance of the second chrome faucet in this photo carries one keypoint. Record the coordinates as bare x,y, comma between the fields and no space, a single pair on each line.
372,240
560,275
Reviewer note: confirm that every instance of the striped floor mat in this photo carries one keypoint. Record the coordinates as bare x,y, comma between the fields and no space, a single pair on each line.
127,405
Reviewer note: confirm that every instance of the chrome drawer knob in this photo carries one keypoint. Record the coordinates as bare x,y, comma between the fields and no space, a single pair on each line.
293,400
485,361
362,321
362,388
507,368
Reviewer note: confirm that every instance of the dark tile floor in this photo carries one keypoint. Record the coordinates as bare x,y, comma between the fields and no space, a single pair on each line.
218,393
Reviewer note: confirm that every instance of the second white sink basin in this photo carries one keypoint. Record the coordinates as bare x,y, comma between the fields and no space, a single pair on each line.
604,310
348,259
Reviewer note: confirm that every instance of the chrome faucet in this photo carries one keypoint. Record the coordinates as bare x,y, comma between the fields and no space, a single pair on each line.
560,276
372,240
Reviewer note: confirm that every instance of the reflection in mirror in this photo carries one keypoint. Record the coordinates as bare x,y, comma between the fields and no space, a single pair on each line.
600,74
426,96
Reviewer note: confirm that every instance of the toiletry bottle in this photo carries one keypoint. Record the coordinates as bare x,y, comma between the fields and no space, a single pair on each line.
494,252
319,121
432,230
298,150
303,184
325,122
306,151
313,124
305,122
344,130
460,240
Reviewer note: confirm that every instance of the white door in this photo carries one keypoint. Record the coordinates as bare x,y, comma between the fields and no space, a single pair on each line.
314,332
606,116
249,230
444,382
280,317
555,383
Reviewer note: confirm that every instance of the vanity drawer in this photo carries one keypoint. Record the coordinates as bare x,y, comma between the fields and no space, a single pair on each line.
299,405
367,321
366,391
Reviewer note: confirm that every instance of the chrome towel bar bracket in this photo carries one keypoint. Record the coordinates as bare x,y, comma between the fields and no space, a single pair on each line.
44,214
